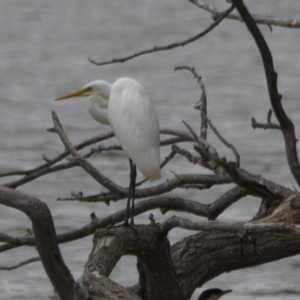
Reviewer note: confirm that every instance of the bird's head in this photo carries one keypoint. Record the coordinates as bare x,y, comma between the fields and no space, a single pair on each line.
213,294
99,88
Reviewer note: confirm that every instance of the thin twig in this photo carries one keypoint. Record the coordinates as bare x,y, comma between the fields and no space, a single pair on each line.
168,47
204,145
21,264
237,156
268,125
201,105
60,156
177,181
263,20
84,164
45,169
240,177
191,158
41,172
265,126
199,187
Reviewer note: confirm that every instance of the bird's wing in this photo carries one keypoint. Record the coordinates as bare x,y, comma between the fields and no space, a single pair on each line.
135,124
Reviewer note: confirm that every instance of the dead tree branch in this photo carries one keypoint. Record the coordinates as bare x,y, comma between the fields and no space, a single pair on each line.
21,264
237,228
165,204
263,20
177,181
154,259
268,125
221,138
45,238
168,47
201,105
48,167
91,170
210,259
286,124
252,183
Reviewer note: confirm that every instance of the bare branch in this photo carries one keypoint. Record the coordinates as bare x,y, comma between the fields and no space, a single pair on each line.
4,238
90,169
61,156
102,148
286,124
163,203
177,181
47,168
45,238
230,197
237,228
191,158
210,151
263,20
255,125
253,184
41,172
201,105
21,264
168,47
237,156
268,125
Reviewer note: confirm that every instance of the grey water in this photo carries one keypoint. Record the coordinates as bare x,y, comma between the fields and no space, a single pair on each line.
44,51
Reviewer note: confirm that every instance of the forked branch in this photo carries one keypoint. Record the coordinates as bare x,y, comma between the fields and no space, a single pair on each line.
45,238
286,124
263,20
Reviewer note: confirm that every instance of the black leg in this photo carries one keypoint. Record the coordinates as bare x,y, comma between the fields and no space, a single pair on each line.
131,190
132,179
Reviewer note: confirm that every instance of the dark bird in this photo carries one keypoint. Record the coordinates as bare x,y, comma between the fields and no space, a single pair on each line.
213,294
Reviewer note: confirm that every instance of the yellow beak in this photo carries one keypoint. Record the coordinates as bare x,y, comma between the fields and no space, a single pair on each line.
73,94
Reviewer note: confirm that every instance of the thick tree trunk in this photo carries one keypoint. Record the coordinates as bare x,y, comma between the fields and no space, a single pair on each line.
150,245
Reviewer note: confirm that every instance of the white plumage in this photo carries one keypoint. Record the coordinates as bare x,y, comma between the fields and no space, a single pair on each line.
134,122
125,106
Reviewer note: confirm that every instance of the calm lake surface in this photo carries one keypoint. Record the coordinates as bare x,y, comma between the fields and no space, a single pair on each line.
43,54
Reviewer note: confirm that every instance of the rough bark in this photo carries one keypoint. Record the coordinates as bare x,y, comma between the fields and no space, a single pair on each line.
150,245
45,237
204,256
101,287
196,259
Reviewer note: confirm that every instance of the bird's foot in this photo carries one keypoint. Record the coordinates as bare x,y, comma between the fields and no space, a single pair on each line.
131,226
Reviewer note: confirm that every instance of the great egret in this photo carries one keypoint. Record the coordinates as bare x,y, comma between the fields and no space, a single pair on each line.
126,108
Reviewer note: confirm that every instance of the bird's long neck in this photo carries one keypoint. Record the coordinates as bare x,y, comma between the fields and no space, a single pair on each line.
97,108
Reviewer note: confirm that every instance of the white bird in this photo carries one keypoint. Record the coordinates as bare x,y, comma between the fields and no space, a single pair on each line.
126,107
